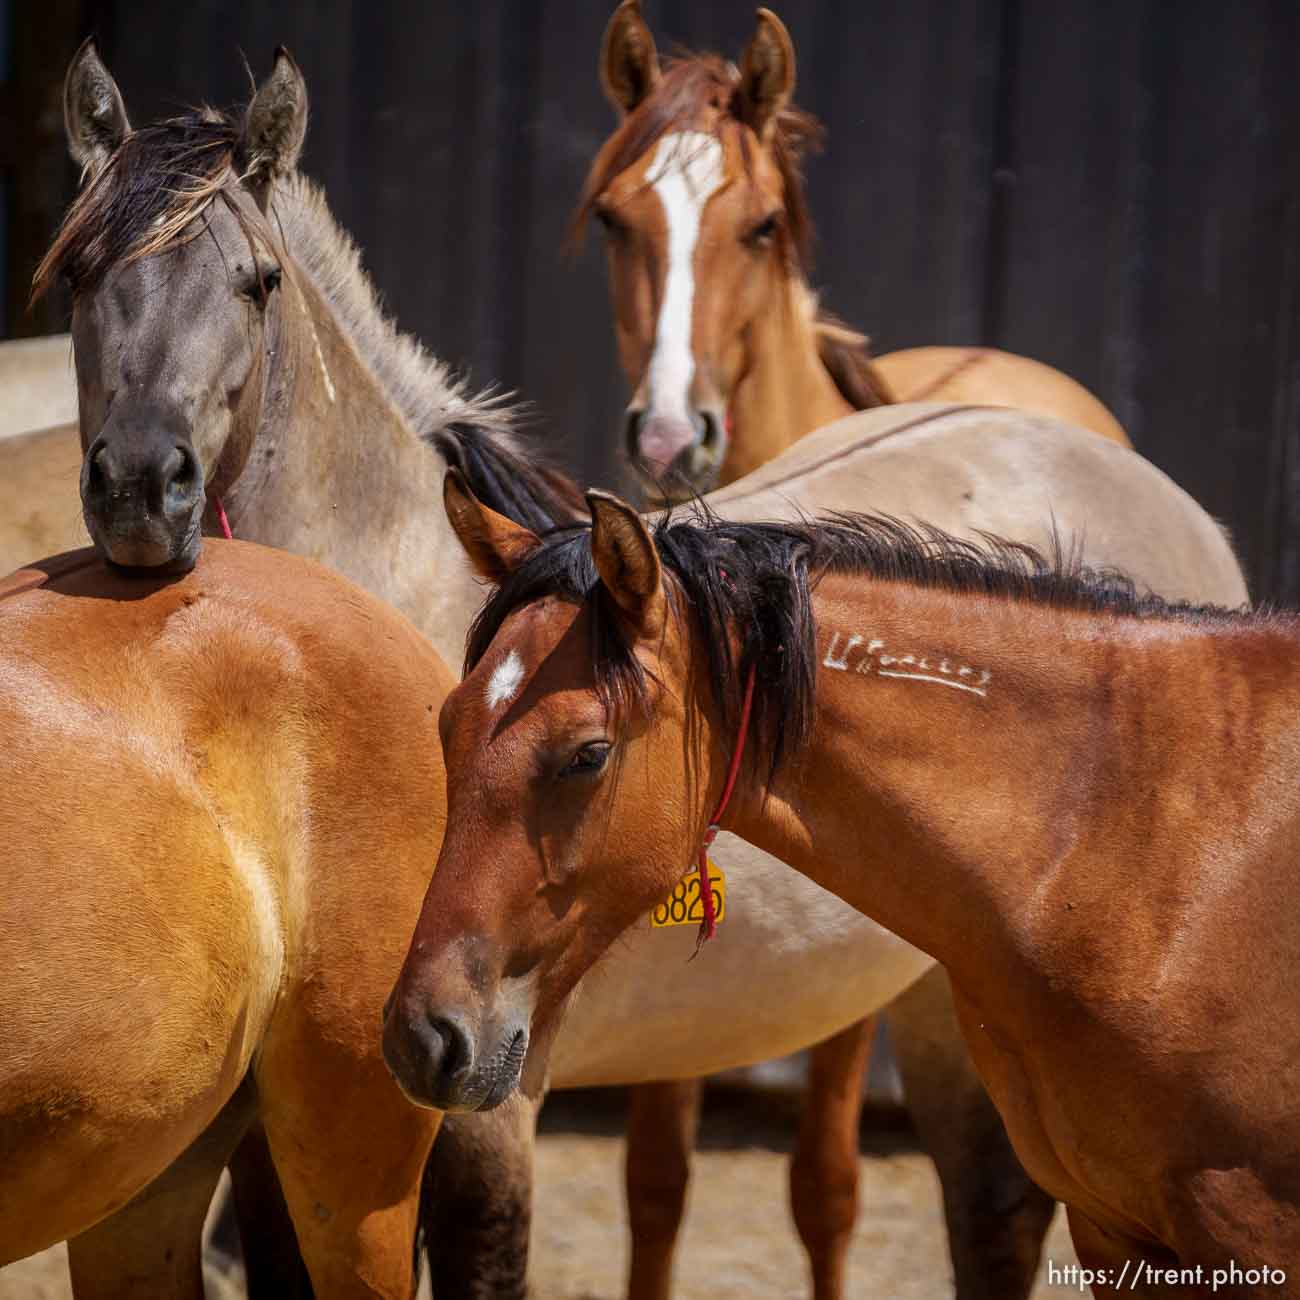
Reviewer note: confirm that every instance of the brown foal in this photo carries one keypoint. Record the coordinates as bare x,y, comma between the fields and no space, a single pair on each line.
1084,802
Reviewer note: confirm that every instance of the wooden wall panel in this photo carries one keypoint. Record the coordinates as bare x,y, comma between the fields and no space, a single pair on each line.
1076,174
1216,331
33,161
907,91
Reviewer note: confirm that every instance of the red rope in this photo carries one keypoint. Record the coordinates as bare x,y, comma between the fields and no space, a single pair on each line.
222,520
709,926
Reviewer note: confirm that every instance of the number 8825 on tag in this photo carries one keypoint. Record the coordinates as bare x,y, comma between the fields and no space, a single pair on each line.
684,906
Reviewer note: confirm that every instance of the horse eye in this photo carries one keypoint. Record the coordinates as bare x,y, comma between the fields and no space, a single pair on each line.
263,285
588,759
765,231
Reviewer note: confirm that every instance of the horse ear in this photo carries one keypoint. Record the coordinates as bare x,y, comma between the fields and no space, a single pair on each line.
275,124
767,73
93,112
496,546
629,62
628,562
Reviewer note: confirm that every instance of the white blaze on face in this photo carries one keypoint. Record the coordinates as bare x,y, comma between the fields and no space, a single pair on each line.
505,681
686,171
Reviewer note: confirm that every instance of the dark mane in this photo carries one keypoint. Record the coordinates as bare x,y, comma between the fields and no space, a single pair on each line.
160,179
690,85
749,589
846,355
525,489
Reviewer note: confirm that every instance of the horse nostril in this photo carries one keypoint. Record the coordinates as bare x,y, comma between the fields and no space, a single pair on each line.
183,475
709,439
632,432
451,1053
176,479
97,470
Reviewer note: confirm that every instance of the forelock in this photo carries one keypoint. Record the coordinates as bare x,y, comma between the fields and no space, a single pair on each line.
159,181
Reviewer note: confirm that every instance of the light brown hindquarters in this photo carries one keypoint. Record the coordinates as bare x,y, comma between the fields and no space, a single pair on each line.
225,794
991,377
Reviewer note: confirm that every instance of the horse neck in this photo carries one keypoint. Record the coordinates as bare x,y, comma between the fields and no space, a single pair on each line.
336,473
786,390
966,763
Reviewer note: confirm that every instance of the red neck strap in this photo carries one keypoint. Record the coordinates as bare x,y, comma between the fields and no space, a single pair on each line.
222,520
709,926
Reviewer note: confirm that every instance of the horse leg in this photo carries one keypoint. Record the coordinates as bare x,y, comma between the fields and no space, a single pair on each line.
997,1217
273,1264
476,1211
824,1169
153,1246
349,1151
662,1122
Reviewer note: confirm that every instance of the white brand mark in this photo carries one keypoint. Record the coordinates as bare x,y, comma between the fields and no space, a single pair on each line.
906,667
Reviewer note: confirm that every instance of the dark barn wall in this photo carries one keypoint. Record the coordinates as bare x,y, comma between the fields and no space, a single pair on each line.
1112,186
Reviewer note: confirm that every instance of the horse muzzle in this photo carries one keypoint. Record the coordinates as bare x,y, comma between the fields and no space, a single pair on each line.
439,1061
681,457
144,509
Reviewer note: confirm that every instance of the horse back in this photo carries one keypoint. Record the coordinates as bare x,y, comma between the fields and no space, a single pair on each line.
972,470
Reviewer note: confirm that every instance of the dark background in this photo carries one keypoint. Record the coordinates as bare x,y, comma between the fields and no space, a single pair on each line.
1112,186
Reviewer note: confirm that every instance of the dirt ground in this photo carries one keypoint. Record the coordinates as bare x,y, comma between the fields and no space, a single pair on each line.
738,1241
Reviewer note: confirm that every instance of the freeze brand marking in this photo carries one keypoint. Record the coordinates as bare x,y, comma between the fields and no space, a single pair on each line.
859,654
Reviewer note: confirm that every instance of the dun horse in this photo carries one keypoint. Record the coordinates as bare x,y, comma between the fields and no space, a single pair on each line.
1083,801
223,798
320,446
708,233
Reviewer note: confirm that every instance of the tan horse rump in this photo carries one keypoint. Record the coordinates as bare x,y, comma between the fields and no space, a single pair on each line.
203,779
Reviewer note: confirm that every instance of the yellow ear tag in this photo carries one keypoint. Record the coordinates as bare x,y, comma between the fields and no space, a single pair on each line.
684,906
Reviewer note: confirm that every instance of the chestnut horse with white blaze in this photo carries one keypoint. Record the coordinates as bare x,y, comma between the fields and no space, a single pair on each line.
700,193
322,446
224,795
708,240
1084,801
